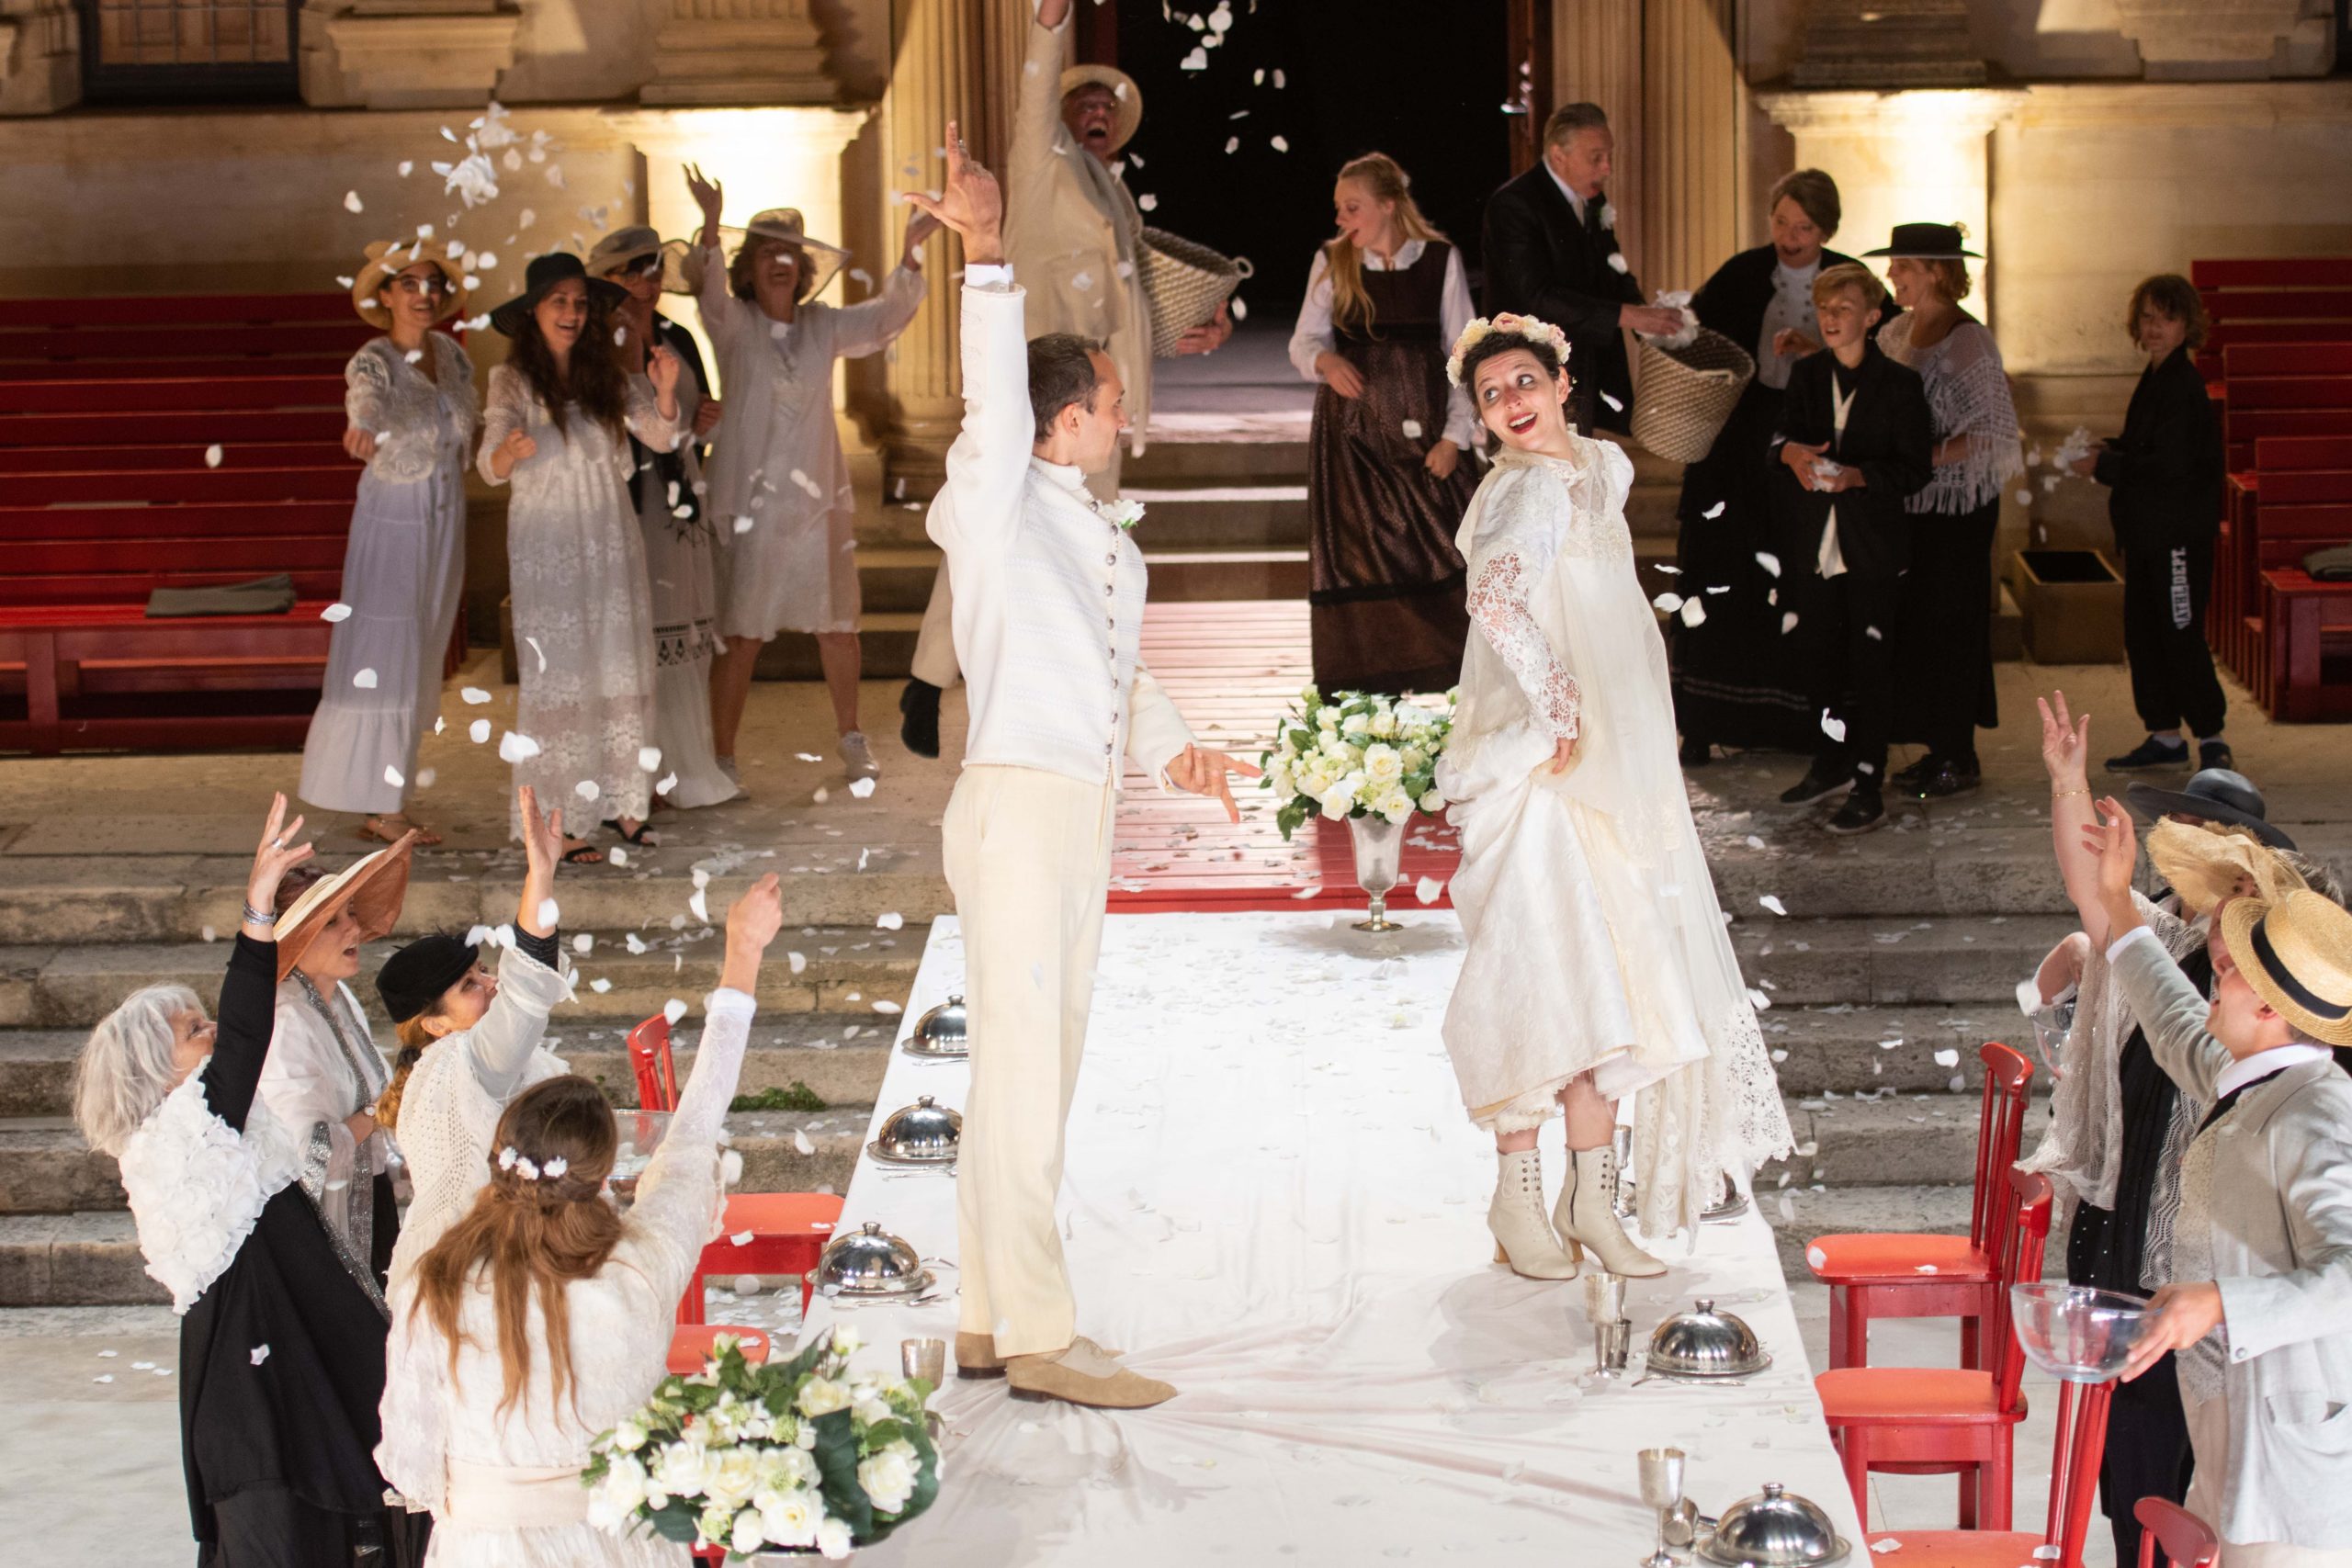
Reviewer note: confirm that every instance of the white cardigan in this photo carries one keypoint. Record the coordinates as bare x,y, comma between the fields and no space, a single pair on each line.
1048,595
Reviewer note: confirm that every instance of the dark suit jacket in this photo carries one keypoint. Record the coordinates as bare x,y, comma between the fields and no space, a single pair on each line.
1890,435
2166,469
1732,302
1541,262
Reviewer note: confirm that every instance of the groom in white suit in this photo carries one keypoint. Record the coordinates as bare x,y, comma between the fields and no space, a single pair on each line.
1048,613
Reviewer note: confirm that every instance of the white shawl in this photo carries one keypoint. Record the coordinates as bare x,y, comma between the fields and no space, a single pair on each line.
197,1185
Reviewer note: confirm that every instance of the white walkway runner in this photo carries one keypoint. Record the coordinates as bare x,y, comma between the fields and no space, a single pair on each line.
1274,1201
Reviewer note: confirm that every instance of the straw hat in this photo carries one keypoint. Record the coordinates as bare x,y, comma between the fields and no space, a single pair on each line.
1129,114
543,274
2212,795
786,224
373,888
2297,954
624,248
2206,863
388,259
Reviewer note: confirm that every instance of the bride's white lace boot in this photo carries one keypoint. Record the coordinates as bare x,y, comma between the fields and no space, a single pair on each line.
1586,1215
1523,1238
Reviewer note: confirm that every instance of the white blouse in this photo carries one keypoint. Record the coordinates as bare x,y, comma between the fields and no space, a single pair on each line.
1312,336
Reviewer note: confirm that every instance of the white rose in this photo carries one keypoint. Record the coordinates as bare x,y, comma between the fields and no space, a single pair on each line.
1433,801
1416,759
1384,723
628,1436
751,1532
870,1409
1314,781
847,1342
1381,764
614,1501
833,1539
1282,781
1397,805
805,1440
732,1476
822,1396
1355,724
888,1481
678,1470
789,1519
1338,801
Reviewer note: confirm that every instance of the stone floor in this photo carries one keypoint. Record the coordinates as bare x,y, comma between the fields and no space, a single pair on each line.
121,1464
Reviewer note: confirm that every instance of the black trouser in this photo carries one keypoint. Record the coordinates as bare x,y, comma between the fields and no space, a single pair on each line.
1843,621
2147,1453
2164,592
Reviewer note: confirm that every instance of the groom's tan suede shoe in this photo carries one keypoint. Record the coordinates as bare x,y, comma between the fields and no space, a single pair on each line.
1084,1374
976,1355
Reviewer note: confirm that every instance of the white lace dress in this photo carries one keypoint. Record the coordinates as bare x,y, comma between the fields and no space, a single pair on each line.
779,486
456,1094
583,628
402,570
504,1488
1596,944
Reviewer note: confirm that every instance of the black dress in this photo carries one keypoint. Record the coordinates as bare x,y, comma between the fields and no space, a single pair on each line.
280,1453
2147,1452
1736,680
1386,591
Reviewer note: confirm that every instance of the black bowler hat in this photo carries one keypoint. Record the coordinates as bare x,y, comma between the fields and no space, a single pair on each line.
419,975
543,274
1927,242
2214,794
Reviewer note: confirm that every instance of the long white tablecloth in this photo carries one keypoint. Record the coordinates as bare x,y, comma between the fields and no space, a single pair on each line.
1274,1201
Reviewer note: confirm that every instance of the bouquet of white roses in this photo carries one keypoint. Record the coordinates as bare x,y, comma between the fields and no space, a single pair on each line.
1356,754
793,1456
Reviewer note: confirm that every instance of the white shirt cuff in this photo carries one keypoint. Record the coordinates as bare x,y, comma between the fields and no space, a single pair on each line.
2115,948
726,1002
987,275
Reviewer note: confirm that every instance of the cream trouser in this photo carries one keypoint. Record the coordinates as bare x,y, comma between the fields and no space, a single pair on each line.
2209,1438
934,658
1029,859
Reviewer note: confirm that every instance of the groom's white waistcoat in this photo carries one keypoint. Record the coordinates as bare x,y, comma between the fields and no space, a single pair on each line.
1048,595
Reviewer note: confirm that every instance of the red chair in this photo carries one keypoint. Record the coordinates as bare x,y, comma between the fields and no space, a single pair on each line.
2189,1541
1898,1274
1941,1420
690,1345
785,1231
2074,1501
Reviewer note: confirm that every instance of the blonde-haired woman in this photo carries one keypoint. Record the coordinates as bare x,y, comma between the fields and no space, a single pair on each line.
543,1317
281,1357
1943,639
1385,482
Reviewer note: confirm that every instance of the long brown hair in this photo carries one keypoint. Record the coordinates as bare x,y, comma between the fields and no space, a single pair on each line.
531,1231
1386,180
415,1039
594,381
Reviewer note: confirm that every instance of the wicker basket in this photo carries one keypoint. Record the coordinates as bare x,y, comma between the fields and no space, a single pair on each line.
1687,394
1185,283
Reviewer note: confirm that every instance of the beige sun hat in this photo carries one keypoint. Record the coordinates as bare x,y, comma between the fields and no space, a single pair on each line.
373,886
1123,87
388,259
2297,954
624,248
2207,862
786,224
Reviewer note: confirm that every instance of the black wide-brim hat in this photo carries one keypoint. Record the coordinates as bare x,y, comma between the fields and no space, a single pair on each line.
543,274
2213,794
1927,242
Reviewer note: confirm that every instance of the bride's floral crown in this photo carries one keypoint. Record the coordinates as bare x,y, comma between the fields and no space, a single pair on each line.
1507,325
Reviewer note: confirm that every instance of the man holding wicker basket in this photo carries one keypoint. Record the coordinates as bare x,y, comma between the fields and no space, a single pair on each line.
1075,234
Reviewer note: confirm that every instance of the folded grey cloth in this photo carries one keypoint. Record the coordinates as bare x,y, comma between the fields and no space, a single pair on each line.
2333,565
261,596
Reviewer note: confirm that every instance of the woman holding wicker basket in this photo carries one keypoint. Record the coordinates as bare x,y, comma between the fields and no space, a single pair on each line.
1386,484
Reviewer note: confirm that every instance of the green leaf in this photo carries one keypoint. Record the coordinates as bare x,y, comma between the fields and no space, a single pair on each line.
836,1455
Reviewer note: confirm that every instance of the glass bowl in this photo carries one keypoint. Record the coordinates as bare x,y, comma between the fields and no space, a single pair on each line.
640,1133
2075,1332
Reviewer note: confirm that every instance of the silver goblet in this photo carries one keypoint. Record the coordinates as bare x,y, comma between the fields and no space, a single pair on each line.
1661,1473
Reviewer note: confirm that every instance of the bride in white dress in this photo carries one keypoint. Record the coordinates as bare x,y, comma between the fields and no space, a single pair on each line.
1598,965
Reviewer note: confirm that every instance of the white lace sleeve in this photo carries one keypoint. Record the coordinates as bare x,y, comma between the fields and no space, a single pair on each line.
413,1454
509,410
644,413
1499,586
1975,418
677,1197
366,391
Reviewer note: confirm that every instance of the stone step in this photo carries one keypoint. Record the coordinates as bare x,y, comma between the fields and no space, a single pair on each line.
1843,1048
1258,517
91,1257
886,643
1172,463
49,988
1899,1140
1886,961
814,1049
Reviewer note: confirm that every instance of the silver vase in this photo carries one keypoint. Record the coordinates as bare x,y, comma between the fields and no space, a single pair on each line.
1380,850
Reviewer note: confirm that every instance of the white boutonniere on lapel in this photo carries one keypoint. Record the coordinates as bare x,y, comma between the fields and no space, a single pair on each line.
1608,214
1121,513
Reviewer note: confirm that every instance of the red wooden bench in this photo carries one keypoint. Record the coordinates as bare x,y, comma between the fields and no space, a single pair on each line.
108,411
2302,618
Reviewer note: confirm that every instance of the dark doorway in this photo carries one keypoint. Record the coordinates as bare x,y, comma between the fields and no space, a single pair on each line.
1423,83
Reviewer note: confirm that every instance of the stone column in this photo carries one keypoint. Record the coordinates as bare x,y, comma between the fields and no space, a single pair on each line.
41,56
738,51
933,81
1689,133
1597,58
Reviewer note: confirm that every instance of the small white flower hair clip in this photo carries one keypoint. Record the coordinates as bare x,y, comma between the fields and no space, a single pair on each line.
509,1159
1508,325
